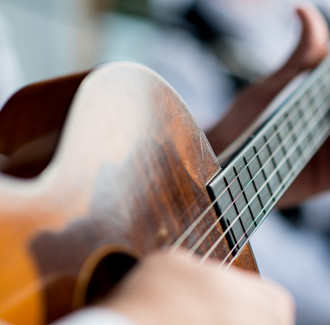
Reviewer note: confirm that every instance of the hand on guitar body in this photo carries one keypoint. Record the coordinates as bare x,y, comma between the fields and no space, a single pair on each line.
172,288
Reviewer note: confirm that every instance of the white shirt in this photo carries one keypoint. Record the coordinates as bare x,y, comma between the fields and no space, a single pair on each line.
95,316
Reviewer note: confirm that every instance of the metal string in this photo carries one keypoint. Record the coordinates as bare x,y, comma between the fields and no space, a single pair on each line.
281,190
197,221
255,195
181,239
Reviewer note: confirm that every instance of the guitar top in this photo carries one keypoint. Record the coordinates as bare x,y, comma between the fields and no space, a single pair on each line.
98,169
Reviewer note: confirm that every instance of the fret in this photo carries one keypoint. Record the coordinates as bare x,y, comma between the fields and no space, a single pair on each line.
261,193
251,193
321,93
284,133
316,97
262,156
253,181
233,216
226,208
324,83
236,192
275,144
284,168
262,171
316,122
305,124
315,101
243,205
273,150
323,124
219,192
294,141
305,136
238,187
294,119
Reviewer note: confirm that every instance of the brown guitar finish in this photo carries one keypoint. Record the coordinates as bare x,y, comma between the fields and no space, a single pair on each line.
128,175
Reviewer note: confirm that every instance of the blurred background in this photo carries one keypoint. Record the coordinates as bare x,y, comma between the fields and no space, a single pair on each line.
208,50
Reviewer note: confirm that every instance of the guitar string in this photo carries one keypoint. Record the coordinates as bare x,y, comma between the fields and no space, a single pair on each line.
269,176
322,136
195,247
182,238
189,230
253,198
243,245
300,166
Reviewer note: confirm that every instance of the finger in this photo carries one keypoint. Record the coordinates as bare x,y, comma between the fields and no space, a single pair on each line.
311,49
280,298
313,45
272,301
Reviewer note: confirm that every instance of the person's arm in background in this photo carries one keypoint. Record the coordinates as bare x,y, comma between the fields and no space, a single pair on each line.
310,51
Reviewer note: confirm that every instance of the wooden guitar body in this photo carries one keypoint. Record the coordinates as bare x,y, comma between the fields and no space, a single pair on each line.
98,170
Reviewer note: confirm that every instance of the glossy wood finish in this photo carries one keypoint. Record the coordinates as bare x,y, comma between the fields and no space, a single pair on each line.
35,113
128,175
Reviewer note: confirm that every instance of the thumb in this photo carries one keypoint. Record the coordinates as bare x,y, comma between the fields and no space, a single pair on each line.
313,45
311,50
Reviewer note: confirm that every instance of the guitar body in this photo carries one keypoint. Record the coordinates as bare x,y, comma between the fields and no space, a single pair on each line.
98,170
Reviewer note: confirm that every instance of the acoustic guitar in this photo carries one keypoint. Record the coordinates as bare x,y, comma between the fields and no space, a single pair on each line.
100,168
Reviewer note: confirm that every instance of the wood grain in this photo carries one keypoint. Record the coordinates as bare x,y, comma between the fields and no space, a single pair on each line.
128,175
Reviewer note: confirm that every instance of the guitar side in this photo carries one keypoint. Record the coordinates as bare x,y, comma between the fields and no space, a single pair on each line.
126,173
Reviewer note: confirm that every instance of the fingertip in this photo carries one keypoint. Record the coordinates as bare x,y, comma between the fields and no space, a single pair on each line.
313,44
313,21
304,6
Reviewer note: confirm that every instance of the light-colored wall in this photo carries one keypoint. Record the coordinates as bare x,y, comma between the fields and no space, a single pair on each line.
51,37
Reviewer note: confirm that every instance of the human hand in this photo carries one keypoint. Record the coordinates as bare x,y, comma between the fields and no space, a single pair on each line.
310,51
174,289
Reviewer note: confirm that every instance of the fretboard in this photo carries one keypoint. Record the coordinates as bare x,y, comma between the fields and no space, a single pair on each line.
251,184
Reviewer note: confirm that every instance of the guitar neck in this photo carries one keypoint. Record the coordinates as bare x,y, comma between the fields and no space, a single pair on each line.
252,183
